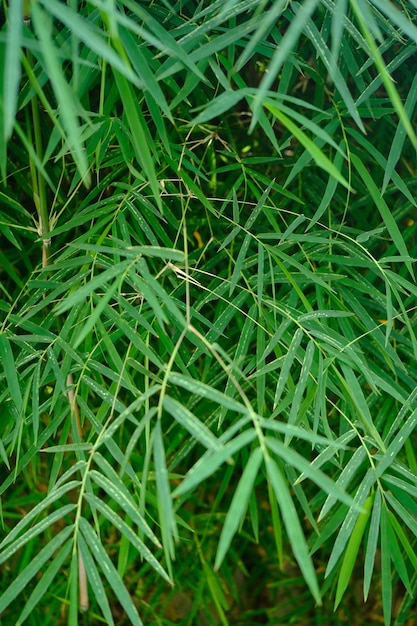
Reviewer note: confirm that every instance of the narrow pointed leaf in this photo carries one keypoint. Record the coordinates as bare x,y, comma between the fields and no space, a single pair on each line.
109,571
239,505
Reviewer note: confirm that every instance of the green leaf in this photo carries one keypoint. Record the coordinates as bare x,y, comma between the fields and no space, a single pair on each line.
396,445
293,527
352,550
359,401
298,461
227,100
48,577
131,536
210,462
166,512
348,473
372,544
383,209
54,495
26,575
318,155
80,294
350,520
118,492
301,385
287,364
10,370
95,40
281,54
238,505
69,105
203,390
36,530
94,579
12,66
138,133
191,423
96,548
386,567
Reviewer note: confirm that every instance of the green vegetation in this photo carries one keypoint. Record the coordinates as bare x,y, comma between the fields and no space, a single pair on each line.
208,355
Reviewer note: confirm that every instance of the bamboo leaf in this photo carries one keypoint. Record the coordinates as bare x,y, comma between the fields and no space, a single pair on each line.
109,571
95,581
36,530
296,460
293,527
350,520
191,423
48,577
132,537
386,567
10,371
69,106
210,462
238,505
318,155
26,575
396,445
352,550
54,495
384,211
118,492
166,512
372,543
203,390
12,66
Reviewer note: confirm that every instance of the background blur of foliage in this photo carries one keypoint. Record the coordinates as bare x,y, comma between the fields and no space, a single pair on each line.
208,355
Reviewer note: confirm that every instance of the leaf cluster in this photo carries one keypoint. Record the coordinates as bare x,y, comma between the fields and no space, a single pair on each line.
208,317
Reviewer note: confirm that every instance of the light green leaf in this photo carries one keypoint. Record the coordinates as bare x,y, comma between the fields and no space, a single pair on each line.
352,550
287,364
91,286
70,108
199,388
210,462
301,385
139,133
116,490
166,511
54,495
26,575
318,155
94,580
48,577
386,214
12,66
10,370
350,520
110,572
36,530
372,543
68,447
349,471
91,36
354,389
191,423
238,505
396,445
217,106
293,527
281,54
131,536
302,464
386,567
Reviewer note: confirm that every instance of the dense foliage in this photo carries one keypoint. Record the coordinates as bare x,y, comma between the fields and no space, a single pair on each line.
208,355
